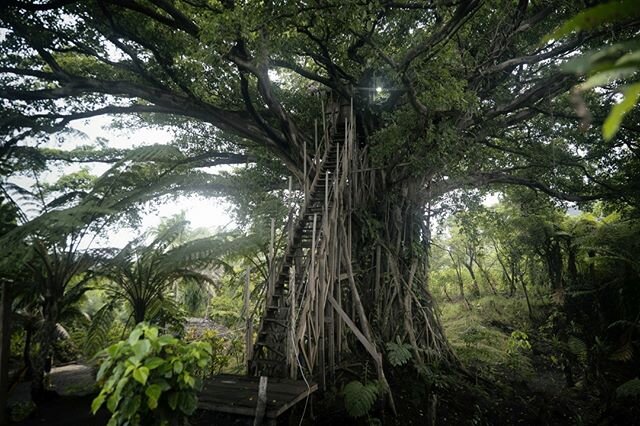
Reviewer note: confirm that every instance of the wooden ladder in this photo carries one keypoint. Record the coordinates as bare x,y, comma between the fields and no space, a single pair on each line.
270,352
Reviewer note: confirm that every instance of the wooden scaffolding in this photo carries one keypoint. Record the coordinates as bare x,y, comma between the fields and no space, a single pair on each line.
312,300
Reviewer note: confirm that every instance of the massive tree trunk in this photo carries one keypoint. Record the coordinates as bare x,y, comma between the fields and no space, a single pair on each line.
391,220
365,280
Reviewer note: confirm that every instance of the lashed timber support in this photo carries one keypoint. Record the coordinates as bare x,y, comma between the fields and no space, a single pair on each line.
313,305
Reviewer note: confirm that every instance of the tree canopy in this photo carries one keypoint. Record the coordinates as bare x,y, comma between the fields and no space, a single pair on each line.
455,94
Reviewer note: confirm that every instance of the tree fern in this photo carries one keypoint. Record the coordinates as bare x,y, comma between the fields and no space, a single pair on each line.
359,398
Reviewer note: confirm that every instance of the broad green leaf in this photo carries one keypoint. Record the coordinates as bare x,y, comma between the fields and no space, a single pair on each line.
151,333
97,402
615,11
631,58
603,58
173,400
605,77
188,402
167,340
618,112
141,374
153,363
141,348
153,393
178,367
103,369
135,335
112,403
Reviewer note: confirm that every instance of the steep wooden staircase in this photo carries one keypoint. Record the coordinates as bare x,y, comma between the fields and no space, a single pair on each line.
272,352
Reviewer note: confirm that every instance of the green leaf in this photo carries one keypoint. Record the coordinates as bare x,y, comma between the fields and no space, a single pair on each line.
173,400
167,340
141,374
607,76
97,403
112,403
141,348
153,393
153,363
615,11
178,367
135,335
188,403
618,112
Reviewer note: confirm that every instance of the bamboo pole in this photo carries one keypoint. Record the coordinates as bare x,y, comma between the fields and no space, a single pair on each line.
248,336
292,321
306,178
315,139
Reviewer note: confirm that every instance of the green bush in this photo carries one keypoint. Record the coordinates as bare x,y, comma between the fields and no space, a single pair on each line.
150,379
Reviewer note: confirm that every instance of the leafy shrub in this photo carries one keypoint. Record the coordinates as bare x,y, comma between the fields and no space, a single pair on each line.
219,349
150,379
359,398
518,341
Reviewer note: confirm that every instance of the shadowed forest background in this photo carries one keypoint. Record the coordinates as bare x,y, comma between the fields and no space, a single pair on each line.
433,209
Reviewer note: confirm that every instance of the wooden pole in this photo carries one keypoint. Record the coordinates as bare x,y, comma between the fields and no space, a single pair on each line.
315,139
292,322
306,178
248,336
261,406
272,255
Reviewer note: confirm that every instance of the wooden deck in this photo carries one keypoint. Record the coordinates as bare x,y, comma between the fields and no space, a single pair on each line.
228,393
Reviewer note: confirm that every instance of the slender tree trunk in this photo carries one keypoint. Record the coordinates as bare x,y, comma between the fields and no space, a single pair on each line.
526,294
26,354
474,282
487,277
554,264
505,272
5,337
43,359
460,281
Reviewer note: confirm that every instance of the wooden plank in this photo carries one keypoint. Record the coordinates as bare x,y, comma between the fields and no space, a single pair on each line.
365,342
238,395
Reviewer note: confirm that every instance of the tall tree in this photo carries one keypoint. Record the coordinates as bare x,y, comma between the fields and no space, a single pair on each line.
447,95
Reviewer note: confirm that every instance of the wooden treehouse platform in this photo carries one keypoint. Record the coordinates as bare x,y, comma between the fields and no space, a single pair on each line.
234,394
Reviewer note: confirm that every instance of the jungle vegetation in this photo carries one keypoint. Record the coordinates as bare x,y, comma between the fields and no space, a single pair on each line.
531,303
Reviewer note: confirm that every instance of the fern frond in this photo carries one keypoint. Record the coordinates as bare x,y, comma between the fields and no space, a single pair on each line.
398,353
156,153
578,348
623,354
98,332
359,398
630,389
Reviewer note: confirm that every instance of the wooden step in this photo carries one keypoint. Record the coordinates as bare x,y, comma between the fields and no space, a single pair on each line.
271,348
276,322
268,362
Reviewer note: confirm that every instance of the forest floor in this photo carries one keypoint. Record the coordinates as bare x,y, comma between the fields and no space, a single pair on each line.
513,374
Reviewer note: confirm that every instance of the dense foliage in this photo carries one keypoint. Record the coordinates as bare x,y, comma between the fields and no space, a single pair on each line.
150,379
452,100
